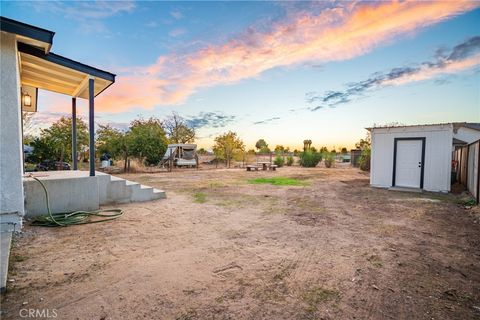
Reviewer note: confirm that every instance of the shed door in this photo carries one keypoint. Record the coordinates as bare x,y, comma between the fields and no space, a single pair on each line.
408,162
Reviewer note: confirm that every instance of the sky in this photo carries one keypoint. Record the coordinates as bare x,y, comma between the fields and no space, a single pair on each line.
282,71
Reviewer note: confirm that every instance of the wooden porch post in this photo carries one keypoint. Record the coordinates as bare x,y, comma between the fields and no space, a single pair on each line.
74,133
91,125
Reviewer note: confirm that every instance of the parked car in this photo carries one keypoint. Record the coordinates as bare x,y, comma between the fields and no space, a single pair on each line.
47,165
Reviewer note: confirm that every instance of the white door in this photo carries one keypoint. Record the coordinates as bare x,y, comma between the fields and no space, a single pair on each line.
409,163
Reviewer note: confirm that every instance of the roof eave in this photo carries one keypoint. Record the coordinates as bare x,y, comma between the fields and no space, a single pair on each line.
42,37
66,62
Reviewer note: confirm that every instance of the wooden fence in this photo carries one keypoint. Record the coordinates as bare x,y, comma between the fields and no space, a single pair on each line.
467,160
355,155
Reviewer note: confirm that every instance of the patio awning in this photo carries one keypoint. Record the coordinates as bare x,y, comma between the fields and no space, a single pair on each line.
41,69
53,72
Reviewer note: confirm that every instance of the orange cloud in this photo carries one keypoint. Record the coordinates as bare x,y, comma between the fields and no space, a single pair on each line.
334,34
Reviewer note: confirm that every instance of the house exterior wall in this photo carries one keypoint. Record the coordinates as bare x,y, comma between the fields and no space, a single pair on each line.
11,158
438,156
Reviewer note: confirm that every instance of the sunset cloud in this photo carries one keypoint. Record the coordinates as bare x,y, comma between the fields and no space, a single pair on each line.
267,120
210,120
339,33
86,10
88,14
462,57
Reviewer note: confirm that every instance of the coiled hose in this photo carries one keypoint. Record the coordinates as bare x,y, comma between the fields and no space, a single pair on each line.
72,218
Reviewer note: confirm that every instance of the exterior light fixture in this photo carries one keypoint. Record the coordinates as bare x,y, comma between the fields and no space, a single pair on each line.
27,100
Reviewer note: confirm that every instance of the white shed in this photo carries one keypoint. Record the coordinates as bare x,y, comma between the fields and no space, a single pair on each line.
418,156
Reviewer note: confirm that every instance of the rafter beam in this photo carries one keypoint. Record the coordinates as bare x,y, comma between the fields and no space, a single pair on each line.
82,86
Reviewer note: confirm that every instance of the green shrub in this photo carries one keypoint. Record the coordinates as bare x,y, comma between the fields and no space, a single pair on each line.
329,159
310,159
365,159
290,161
279,161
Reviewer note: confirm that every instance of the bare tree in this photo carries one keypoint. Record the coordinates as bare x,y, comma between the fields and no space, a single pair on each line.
28,123
178,130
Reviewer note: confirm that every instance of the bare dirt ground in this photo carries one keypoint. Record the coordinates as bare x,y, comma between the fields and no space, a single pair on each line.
221,248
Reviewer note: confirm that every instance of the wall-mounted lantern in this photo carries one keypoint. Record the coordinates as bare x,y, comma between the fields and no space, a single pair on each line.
29,98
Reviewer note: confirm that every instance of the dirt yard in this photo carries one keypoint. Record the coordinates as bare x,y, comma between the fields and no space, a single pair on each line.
222,248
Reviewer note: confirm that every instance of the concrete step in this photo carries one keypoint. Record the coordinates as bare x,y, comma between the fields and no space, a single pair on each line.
144,193
117,190
159,194
131,183
124,191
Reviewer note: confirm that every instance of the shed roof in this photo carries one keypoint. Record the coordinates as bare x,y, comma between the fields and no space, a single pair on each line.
471,125
459,142
183,145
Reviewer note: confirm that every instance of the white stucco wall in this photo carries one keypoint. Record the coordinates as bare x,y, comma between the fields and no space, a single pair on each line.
438,156
11,186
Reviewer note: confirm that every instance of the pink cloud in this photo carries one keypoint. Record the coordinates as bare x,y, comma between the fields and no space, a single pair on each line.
334,34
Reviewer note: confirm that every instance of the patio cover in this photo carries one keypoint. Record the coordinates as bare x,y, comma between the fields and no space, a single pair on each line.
42,69
55,73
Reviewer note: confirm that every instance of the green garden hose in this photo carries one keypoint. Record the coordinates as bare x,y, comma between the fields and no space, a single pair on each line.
72,218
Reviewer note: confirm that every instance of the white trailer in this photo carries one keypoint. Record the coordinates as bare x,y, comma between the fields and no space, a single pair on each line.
180,155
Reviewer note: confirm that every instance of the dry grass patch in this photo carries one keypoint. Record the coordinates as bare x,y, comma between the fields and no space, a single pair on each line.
199,197
316,295
375,261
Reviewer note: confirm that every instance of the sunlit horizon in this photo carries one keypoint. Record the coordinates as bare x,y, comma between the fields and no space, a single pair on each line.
280,71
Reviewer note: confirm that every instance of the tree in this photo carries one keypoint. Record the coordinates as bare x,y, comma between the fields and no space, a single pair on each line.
227,145
202,151
279,149
365,146
28,126
261,144
42,150
364,143
307,144
323,150
343,150
114,142
147,140
55,142
178,130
